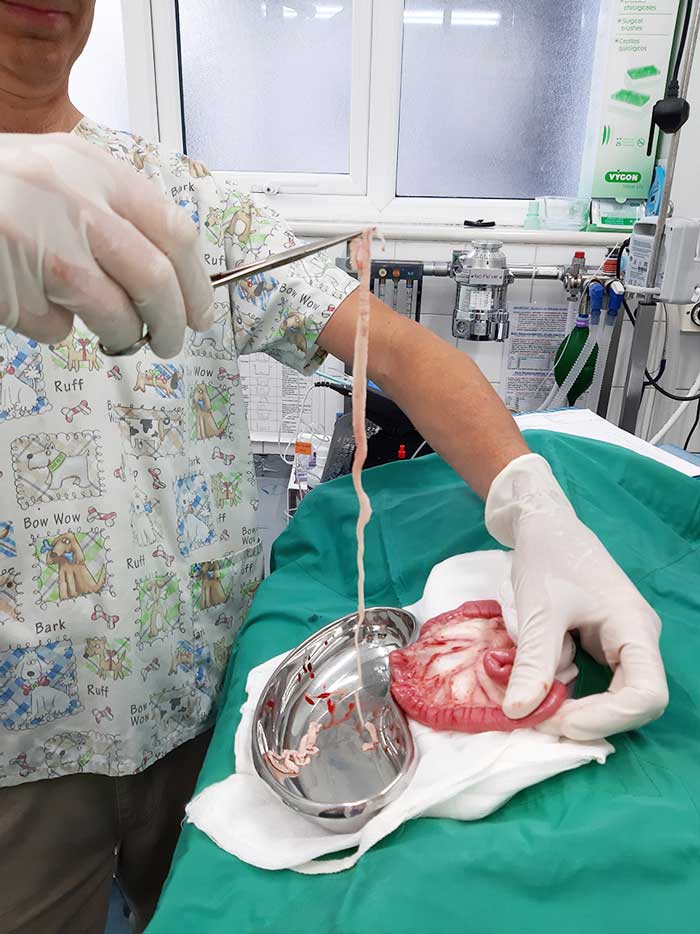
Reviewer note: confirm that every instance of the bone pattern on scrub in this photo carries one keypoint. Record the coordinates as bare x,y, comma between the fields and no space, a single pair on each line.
454,677
129,552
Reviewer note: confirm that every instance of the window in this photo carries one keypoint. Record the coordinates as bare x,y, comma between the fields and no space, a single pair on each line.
266,84
495,97
380,110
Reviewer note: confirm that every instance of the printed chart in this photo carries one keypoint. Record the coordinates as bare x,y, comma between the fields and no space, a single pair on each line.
274,395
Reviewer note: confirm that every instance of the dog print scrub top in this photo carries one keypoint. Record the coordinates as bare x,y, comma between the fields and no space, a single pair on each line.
128,546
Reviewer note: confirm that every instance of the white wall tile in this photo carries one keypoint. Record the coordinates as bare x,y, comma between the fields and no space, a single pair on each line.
686,191
519,292
487,356
424,252
386,250
690,359
551,255
438,297
440,324
546,292
520,254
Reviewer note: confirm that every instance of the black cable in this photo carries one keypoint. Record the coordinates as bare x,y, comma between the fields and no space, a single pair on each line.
682,43
672,112
662,362
650,380
692,430
342,390
628,312
618,263
653,381
672,395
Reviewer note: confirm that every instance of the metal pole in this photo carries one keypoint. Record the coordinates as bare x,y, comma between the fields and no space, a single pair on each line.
675,143
639,354
609,374
646,312
537,272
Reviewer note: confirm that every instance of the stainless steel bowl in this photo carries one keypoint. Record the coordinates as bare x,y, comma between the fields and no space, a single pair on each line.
342,786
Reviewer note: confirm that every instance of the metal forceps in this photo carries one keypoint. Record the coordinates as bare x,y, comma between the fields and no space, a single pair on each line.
244,272
280,259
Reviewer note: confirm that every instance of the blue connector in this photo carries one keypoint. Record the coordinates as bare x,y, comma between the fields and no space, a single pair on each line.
616,296
596,294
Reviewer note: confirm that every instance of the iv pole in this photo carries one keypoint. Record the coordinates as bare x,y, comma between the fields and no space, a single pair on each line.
646,310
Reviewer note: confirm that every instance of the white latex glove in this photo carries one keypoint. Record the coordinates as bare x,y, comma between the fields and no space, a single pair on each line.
83,234
564,579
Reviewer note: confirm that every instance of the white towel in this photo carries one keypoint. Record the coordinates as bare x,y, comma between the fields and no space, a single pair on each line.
459,776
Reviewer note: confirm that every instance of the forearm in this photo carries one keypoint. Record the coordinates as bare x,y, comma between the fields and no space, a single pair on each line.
440,389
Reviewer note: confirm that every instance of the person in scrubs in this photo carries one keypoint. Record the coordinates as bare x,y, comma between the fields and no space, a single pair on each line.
128,544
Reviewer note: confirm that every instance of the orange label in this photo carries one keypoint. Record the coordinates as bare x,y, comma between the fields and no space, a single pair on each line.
303,447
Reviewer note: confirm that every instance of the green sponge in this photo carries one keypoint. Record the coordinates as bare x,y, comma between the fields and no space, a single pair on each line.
645,71
634,98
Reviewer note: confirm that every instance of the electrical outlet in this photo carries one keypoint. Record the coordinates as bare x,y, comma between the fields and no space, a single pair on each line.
690,319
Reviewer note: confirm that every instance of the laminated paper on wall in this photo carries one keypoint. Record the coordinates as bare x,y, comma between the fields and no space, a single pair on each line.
528,359
274,394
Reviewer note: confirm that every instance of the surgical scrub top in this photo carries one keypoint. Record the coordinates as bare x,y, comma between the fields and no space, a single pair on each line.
129,553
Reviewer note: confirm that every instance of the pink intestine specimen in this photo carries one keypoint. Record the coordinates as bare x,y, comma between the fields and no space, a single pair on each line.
362,261
455,676
289,762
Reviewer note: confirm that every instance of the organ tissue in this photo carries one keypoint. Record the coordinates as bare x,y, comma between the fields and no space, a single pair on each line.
455,676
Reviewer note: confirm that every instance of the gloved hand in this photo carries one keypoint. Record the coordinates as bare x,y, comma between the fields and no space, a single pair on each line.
564,579
83,234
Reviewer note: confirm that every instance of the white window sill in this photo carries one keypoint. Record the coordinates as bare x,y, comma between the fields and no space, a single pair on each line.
456,233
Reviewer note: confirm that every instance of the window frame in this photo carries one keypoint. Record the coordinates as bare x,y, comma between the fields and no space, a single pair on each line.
295,184
140,69
368,193
384,144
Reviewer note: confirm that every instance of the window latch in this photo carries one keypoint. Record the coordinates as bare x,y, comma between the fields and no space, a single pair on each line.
481,223
265,189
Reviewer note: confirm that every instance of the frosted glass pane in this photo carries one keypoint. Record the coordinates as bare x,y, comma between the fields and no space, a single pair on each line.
98,80
495,96
266,85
